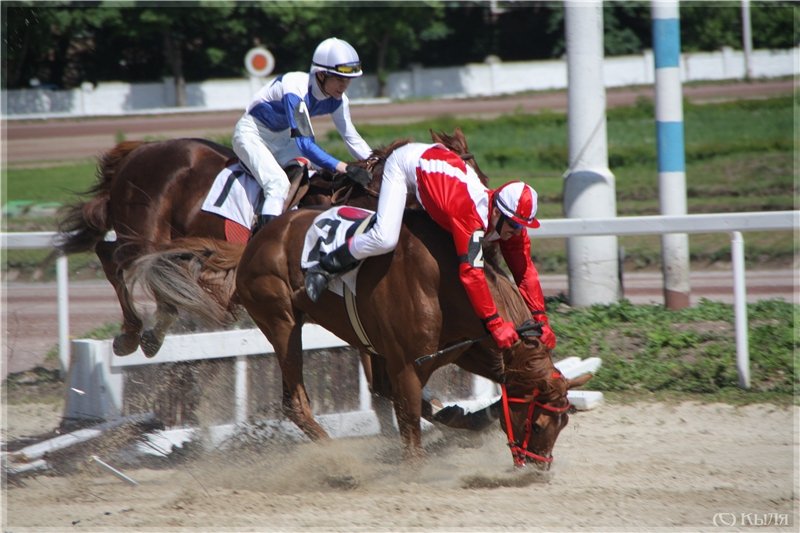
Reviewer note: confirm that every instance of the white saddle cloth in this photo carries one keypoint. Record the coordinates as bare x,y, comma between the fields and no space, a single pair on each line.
234,195
330,230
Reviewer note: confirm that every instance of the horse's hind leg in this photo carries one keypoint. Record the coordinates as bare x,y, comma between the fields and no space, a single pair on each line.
152,339
126,342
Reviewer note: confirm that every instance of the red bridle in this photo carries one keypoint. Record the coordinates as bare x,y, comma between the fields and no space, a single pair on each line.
520,451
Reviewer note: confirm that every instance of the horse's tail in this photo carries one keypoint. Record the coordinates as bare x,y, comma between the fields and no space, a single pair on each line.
85,224
194,275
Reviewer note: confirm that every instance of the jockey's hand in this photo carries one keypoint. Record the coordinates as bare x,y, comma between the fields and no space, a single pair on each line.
548,337
358,175
503,332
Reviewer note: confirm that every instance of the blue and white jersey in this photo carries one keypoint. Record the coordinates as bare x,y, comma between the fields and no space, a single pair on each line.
289,102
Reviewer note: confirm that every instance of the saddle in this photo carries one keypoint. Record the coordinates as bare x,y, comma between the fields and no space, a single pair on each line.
237,196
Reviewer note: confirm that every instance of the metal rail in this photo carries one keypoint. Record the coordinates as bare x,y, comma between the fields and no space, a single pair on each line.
733,223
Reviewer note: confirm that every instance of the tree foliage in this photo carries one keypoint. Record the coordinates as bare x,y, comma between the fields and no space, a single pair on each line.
63,44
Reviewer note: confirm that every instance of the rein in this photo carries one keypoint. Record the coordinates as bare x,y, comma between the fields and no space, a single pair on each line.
519,452
342,195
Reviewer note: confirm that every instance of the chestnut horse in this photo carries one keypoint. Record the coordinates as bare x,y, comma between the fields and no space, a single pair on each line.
411,303
151,193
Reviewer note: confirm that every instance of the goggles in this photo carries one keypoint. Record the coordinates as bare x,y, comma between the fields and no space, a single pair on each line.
512,223
343,68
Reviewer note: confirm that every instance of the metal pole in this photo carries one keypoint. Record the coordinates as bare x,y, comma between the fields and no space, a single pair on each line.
670,144
589,188
747,40
740,309
62,291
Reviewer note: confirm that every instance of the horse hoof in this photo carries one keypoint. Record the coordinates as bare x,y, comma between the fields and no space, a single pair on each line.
125,343
150,343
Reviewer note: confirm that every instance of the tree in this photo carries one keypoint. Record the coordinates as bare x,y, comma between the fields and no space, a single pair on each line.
388,35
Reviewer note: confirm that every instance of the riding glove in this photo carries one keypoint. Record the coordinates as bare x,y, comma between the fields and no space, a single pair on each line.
503,332
358,175
548,338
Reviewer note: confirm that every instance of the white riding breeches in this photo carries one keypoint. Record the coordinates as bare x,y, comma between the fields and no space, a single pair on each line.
265,153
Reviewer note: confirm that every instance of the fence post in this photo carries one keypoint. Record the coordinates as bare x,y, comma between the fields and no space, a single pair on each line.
62,278
241,389
740,309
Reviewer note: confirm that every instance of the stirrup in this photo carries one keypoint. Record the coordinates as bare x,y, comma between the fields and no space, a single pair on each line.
316,282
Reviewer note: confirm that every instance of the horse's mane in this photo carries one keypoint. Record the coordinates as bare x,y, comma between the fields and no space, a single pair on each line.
377,159
530,364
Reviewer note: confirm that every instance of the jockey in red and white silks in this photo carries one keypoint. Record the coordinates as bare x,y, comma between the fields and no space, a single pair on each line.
276,126
453,195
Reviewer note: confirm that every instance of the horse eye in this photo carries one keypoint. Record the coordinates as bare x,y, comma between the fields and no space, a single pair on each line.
536,428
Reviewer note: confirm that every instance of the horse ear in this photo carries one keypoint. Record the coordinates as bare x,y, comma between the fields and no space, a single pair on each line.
579,381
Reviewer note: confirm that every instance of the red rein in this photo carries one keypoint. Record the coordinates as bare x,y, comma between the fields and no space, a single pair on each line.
520,452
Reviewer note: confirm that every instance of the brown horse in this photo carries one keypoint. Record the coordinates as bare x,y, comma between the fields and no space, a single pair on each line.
151,193
411,303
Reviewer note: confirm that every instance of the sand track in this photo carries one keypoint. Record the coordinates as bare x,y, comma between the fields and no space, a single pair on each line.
634,467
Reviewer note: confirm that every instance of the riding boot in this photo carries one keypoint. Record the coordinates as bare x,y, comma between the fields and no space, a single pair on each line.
337,262
261,221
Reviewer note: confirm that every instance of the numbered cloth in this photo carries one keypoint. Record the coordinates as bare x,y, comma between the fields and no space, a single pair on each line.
330,230
234,195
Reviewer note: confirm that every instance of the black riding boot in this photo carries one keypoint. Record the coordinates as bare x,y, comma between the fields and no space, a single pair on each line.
337,262
261,221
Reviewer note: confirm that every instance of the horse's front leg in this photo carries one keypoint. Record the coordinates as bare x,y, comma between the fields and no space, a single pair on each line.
152,339
408,409
288,344
126,342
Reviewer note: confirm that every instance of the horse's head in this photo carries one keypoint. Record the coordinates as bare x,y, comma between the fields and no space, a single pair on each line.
534,402
457,142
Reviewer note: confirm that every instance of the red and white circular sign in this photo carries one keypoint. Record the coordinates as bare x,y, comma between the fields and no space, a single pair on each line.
259,62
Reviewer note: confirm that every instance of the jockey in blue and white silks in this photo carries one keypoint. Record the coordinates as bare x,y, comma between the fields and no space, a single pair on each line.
276,127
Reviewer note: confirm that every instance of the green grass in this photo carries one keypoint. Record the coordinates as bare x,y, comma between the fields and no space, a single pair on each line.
649,350
51,184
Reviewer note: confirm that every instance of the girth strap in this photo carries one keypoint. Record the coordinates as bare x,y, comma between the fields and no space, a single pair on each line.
350,300
355,321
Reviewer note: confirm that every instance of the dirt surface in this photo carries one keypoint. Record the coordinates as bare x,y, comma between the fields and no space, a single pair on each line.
637,467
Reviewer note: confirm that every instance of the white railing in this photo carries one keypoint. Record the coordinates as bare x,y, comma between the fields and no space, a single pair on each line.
96,386
733,223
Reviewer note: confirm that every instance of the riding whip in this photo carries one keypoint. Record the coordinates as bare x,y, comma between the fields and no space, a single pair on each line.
527,329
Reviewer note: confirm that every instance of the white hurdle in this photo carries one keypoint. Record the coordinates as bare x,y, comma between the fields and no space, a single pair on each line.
95,384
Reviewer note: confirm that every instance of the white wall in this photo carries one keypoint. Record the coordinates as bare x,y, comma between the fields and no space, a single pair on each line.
474,79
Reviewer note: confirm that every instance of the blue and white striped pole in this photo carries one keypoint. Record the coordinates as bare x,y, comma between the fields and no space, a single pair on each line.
670,143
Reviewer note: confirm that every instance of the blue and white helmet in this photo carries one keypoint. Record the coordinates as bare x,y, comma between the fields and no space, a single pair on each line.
336,57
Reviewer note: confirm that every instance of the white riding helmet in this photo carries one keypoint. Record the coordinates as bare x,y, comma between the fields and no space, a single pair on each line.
336,57
518,202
